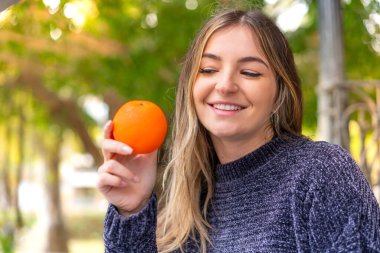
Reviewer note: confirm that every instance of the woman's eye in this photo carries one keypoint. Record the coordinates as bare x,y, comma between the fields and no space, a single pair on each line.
251,73
207,71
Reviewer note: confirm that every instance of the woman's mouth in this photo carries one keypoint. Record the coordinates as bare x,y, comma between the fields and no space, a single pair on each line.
227,107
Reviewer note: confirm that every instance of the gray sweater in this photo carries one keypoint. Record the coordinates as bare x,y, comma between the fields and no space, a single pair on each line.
286,196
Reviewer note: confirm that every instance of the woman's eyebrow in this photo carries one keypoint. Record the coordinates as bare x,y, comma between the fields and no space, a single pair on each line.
244,59
253,59
211,56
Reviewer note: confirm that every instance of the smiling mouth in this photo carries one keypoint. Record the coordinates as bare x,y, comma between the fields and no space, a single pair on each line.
227,107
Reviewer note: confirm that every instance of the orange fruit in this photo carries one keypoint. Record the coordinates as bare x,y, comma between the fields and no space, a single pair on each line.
140,124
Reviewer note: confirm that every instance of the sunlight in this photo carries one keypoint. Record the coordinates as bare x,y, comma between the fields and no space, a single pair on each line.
151,20
70,10
291,18
376,44
271,1
191,4
56,33
95,108
53,5
371,25
375,17
366,2
79,11
4,15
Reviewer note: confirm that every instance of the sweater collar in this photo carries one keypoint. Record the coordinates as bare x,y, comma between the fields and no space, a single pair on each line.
252,161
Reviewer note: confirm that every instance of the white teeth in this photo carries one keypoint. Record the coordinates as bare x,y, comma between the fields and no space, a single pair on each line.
227,107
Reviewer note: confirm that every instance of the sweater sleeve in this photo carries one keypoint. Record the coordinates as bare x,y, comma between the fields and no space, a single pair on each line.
344,215
136,233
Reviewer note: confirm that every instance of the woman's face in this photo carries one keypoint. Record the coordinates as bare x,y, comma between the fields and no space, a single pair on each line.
235,89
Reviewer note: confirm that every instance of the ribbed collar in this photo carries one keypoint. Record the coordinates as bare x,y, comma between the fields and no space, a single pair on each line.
252,161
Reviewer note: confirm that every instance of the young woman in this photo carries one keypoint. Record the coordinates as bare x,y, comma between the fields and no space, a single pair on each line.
240,177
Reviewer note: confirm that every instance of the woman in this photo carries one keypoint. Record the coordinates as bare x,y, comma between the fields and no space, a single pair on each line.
240,177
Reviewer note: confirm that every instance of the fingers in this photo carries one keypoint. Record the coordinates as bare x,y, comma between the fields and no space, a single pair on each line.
108,130
110,146
106,181
116,169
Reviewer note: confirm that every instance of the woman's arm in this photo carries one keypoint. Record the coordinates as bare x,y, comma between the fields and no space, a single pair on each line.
344,215
136,233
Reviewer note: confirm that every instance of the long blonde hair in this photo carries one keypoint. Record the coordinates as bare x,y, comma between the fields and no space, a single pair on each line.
188,177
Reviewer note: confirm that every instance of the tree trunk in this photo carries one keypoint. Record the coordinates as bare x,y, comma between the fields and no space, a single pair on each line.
6,166
20,162
62,111
331,99
57,236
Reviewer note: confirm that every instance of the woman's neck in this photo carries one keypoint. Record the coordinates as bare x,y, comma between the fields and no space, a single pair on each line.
231,150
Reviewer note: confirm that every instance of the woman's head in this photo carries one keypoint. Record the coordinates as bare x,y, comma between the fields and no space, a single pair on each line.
287,112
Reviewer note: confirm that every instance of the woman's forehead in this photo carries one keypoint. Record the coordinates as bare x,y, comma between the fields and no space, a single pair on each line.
237,39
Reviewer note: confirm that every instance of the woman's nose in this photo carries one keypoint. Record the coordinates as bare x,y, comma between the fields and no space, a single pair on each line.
226,84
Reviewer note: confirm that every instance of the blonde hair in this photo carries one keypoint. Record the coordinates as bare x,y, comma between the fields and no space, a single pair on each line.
188,177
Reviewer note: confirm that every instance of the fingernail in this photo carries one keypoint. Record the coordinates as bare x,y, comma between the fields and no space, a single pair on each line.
127,150
136,179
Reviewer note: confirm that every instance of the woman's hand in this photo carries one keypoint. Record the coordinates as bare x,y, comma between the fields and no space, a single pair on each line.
125,179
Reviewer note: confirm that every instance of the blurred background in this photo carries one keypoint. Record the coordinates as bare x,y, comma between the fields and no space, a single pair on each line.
67,65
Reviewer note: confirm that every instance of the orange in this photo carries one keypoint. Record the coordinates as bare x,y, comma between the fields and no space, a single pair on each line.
141,125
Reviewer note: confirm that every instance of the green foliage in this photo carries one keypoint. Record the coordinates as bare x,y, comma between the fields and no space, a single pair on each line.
7,238
305,46
360,59
148,66
6,242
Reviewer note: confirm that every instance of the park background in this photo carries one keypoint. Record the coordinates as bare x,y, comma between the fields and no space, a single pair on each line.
67,65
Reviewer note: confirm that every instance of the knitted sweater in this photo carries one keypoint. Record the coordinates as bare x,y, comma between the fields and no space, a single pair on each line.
286,196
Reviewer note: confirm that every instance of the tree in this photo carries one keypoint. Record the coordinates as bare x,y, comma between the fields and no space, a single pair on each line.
118,50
